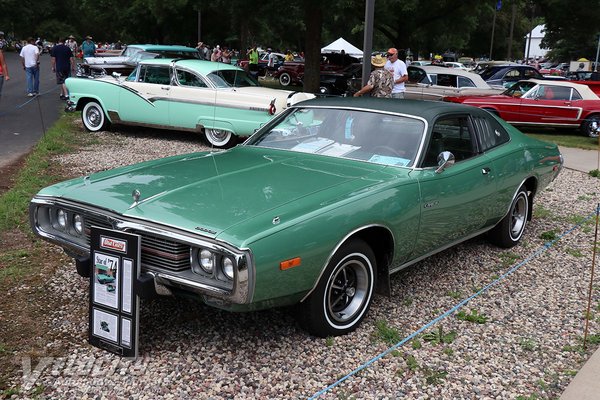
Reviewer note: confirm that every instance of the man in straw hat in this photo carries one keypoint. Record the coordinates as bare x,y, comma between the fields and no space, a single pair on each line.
380,81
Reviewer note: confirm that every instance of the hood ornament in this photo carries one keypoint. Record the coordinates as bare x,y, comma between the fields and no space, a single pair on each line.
136,198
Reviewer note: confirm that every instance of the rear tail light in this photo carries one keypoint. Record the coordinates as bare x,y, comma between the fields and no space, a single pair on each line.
272,108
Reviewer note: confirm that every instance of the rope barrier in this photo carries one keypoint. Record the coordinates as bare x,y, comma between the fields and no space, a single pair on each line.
29,100
455,308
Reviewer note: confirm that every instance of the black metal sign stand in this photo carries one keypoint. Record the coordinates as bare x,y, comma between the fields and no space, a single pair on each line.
114,301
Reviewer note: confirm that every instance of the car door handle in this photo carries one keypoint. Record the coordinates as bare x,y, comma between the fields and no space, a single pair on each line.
165,87
485,170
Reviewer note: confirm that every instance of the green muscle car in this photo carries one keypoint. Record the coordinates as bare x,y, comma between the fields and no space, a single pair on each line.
218,100
316,209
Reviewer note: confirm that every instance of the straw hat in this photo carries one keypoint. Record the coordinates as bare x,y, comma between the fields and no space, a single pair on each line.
378,61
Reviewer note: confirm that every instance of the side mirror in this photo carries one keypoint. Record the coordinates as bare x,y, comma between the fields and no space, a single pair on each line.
445,160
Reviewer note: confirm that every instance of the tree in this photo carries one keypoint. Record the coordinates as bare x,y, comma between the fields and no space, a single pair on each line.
572,29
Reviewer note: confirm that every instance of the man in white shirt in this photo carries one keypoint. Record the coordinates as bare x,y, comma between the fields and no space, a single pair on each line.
398,69
30,58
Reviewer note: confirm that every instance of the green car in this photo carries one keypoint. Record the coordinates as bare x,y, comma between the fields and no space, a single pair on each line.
219,101
316,209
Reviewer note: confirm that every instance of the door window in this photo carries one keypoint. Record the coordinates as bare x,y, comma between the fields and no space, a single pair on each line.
451,134
186,78
156,74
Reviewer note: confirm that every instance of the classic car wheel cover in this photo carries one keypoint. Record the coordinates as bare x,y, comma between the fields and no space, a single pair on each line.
93,117
285,79
218,137
518,216
348,289
592,127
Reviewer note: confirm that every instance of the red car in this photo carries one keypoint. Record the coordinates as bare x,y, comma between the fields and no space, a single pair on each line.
543,103
293,72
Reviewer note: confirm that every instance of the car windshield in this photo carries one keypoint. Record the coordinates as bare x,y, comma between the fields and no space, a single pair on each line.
231,78
346,133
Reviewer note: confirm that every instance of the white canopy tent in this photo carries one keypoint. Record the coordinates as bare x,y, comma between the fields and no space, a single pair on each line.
341,44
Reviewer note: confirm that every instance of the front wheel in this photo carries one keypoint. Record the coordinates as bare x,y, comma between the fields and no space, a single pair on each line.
93,117
285,79
219,138
509,231
591,126
343,295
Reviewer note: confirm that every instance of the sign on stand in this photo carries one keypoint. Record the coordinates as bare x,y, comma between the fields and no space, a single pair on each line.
114,301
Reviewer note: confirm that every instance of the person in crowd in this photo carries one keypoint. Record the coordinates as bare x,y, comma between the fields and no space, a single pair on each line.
63,63
270,62
400,72
226,56
289,56
72,44
30,58
118,45
88,47
216,54
380,81
3,43
3,68
205,52
253,61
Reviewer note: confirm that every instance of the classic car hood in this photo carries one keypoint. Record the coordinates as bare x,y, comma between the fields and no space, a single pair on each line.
209,193
106,60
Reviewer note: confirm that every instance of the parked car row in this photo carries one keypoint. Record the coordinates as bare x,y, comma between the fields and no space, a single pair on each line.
220,101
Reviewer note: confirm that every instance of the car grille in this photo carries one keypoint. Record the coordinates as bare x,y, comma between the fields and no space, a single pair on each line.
157,252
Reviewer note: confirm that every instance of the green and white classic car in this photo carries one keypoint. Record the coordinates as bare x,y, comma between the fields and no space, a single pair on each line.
219,100
316,209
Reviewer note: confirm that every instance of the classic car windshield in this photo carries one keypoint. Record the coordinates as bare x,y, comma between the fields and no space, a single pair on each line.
359,135
231,78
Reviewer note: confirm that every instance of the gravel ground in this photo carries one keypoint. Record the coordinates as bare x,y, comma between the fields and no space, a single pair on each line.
529,346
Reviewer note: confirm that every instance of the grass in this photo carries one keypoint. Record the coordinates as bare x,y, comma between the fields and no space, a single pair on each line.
439,337
473,317
568,139
36,173
386,334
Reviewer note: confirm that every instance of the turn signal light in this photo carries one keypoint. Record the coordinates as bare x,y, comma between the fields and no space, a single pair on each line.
287,264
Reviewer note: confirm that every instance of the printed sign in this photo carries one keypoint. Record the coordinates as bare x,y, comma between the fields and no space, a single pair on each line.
114,302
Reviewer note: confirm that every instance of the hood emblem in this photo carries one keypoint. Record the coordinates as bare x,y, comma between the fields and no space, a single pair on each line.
136,198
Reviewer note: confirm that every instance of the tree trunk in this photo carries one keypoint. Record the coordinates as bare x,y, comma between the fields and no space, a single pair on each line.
312,53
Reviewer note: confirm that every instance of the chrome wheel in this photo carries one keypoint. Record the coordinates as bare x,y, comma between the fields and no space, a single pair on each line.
508,232
343,295
591,126
347,289
219,137
518,217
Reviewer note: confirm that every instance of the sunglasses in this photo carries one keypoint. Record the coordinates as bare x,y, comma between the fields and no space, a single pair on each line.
390,54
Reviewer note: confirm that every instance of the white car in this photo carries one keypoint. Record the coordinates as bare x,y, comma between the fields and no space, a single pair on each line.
432,82
452,64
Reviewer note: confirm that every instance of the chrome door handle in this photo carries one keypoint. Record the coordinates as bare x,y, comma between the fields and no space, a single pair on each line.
485,170
165,88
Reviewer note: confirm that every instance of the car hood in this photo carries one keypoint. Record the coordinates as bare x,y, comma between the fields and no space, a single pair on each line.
233,195
105,60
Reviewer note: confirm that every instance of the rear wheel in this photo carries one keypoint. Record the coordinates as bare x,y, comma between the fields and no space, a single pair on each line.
343,295
509,231
219,138
93,117
285,79
591,126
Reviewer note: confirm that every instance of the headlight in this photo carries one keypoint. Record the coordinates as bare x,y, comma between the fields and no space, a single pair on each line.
206,260
78,224
227,267
61,219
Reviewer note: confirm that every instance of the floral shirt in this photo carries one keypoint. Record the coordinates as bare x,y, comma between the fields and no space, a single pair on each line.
382,82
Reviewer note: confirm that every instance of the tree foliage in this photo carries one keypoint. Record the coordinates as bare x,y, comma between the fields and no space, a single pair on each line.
423,26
